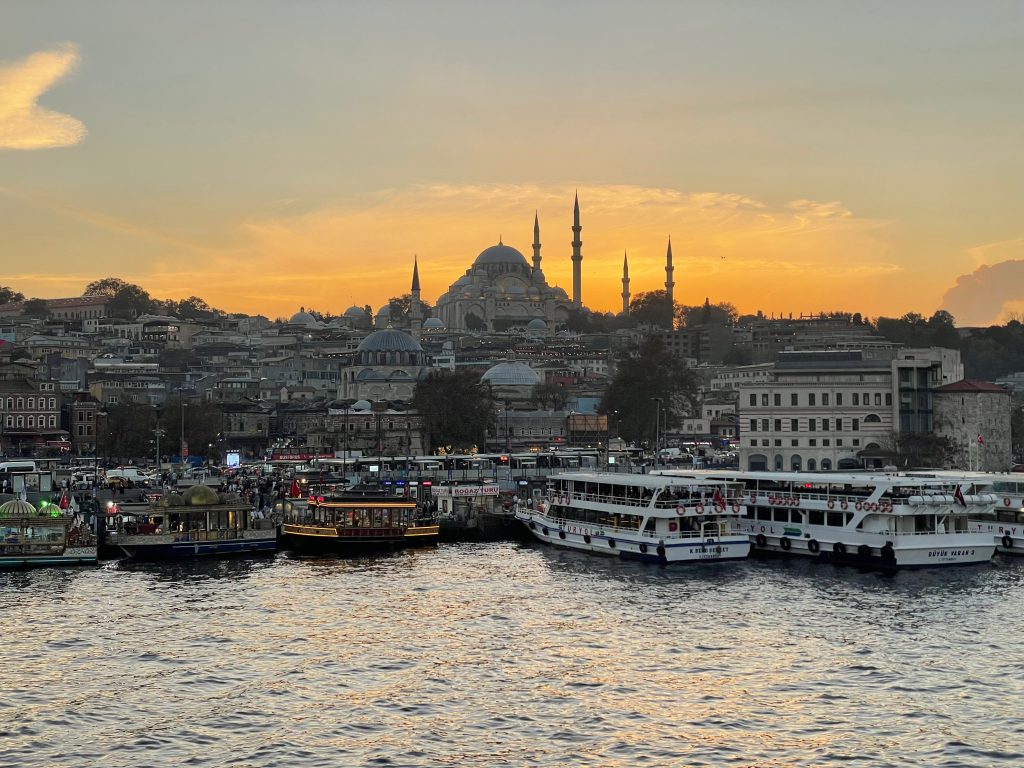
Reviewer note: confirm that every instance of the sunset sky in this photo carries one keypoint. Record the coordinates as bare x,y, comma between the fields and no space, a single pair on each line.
803,156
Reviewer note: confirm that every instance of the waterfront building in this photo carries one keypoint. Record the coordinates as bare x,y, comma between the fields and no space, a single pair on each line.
975,416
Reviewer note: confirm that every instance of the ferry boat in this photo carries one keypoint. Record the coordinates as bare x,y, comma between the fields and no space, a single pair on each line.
1006,521
874,520
357,520
646,517
157,532
31,538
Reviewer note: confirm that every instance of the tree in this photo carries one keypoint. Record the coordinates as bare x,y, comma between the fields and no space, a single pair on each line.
36,308
550,396
400,306
456,408
108,286
919,450
707,314
642,375
130,301
9,295
194,308
177,359
652,308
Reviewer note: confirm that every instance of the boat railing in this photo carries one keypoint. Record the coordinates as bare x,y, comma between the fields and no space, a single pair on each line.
222,534
713,529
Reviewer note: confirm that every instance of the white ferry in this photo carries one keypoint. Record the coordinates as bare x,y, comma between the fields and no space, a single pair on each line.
646,517
876,520
1005,523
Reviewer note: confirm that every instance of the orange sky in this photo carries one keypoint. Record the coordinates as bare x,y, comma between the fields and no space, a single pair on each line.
803,156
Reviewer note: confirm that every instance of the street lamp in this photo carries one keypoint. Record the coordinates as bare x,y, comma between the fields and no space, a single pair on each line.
657,430
158,432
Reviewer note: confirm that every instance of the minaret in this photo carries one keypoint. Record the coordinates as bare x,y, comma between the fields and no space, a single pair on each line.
625,284
536,244
669,269
577,253
415,307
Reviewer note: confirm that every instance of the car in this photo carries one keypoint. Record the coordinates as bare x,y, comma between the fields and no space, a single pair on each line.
127,477
83,481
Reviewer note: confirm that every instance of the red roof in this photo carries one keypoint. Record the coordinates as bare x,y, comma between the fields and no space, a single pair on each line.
973,385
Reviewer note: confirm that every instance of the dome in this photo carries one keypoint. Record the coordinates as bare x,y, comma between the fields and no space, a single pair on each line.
501,254
389,340
536,325
355,311
361,405
17,508
302,317
510,373
433,322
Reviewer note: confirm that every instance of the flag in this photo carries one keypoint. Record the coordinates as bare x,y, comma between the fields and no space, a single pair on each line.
64,502
981,441
718,498
295,491
958,496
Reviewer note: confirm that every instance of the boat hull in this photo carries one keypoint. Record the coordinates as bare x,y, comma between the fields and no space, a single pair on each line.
840,546
70,556
622,545
166,547
1008,537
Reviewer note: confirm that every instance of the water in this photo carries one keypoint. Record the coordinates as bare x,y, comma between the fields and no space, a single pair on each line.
500,654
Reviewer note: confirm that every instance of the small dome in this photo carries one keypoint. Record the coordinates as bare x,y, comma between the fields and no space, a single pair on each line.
361,405
536,325
302,317
433,322
501,254
511,373
17,508
389,340
355,311
384,311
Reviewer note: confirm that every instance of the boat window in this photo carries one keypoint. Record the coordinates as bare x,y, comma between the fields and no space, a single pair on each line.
748,512
849,517
796,516
817,517
781,516
835,518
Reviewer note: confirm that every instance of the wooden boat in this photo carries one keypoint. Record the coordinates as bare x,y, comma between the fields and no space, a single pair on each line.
357,520
32,538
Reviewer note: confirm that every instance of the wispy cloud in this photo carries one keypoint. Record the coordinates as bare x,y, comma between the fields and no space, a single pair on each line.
23,123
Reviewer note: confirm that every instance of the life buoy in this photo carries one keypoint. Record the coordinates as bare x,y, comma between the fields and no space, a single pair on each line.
831,503
736,508
544,531
673,525
753,498
1008,541
859,506
813,545
760,540
586,539
643,548
839,548
700,509
660,551
611,543
785,543
864,550
1006,501
680,511
843,504
873,507
561,534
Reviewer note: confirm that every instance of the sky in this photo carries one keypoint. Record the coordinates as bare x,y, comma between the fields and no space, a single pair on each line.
265,156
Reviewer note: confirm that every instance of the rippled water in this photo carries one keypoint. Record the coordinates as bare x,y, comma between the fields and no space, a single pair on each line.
502,654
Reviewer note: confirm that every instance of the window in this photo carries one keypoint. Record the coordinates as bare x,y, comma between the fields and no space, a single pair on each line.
839,442
856,442
53,421
810,398
824,425
794,425
812,425
824,398
835,518
794,399
867,399
794,443
812,442
878,398
778,443
53,403
839,398
753,425
888,398
816,517
856,399
764,443
778,425
32,422
764,399
764,425
31,402
753,401
777,399
825,442
854,424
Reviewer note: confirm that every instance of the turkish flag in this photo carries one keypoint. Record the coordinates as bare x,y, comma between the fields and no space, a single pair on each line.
64,502
958,496
295,491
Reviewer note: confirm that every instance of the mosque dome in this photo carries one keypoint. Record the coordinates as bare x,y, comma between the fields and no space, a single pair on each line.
433,323
17,508
302,317
355,311
389,340
501,254
511,373
536,325
361,405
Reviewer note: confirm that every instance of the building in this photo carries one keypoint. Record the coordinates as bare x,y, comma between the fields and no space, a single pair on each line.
975,416
386,365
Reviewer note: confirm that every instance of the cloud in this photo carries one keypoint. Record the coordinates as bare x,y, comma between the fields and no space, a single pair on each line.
23,123
987,295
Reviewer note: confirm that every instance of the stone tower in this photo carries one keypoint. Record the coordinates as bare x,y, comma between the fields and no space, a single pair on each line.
536,243
415,307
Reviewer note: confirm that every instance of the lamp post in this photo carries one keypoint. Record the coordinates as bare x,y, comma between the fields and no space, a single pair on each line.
657,430
158,432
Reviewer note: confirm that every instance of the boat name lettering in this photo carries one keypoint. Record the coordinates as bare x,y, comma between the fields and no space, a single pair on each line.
951,553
